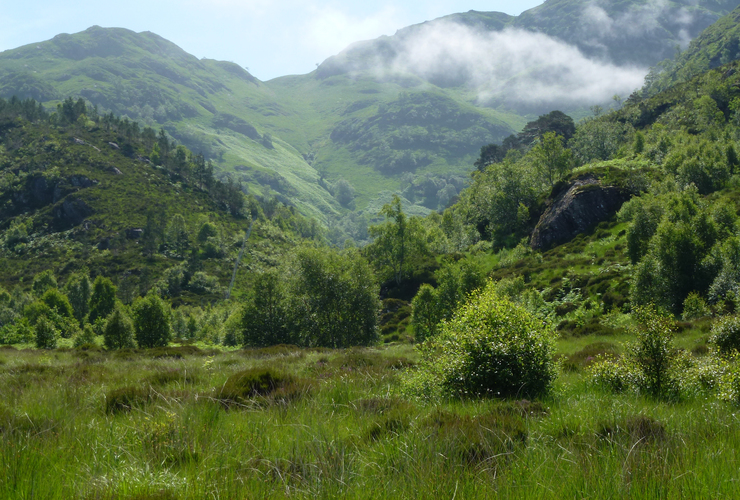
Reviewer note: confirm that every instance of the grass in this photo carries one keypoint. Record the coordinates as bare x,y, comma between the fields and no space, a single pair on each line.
351,435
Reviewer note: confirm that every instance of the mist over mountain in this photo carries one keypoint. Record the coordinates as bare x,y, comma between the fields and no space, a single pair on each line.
562,53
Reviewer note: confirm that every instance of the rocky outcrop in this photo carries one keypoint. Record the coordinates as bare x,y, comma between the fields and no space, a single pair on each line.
71,212
577,209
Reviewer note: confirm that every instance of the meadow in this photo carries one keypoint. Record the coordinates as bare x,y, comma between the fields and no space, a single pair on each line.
283,422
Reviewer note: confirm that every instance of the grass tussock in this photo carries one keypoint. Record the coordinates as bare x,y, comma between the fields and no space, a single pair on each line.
125,399
259,385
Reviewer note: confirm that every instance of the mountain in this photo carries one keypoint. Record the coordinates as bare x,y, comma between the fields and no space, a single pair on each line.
717,45
407,113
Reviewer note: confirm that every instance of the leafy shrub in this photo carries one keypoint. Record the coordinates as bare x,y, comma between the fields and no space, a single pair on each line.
58,302
42,282
652,352
119,330
151,322
694,307
85,338
102,299
46,334
726,334
262,383
609,374
20,332
491,348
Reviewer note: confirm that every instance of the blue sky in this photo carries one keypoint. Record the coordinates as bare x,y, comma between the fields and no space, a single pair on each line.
271,38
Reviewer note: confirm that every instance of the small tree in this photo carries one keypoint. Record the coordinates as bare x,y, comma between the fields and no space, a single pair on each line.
151,321
396,240
46,334
79,291
42,282
103,299
551,160
652,352
425,313
58,302
265,316
119,330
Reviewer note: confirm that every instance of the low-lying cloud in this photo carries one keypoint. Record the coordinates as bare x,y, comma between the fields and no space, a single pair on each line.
521,67
598,28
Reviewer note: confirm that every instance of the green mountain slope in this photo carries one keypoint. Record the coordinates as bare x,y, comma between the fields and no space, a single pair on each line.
360,118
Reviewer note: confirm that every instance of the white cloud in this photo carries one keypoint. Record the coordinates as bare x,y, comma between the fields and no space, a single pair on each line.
516,65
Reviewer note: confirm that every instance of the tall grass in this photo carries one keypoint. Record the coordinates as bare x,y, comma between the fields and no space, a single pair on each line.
350,434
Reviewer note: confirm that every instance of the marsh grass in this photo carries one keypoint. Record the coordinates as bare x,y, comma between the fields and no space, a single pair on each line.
350,434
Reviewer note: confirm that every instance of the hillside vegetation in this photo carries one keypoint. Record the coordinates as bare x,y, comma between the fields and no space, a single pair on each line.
336,143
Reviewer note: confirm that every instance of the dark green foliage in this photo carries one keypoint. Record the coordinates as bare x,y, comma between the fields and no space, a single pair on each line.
102,299
46,334
266,318
726,334
333,299
58,302
119,330
79,291
653,353
151,322
456,281
42,282
261,383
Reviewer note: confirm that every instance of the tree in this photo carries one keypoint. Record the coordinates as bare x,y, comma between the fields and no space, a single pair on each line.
344,192
395,240
151,321
103,299
42,282
178,235
119,330
46,334
333,298
153,230
79,291
551,160
265,316
58,302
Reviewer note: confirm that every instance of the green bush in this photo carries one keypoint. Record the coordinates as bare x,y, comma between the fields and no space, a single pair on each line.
492,347
694,307
86,337
58,302
726,334
46,334
652,352
151,322
609,374
119,330
103,299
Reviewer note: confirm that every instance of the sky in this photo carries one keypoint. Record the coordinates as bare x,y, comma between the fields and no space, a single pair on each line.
269,37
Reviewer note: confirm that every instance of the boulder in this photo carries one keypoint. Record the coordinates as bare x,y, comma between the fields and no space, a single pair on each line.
71,212
576,209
